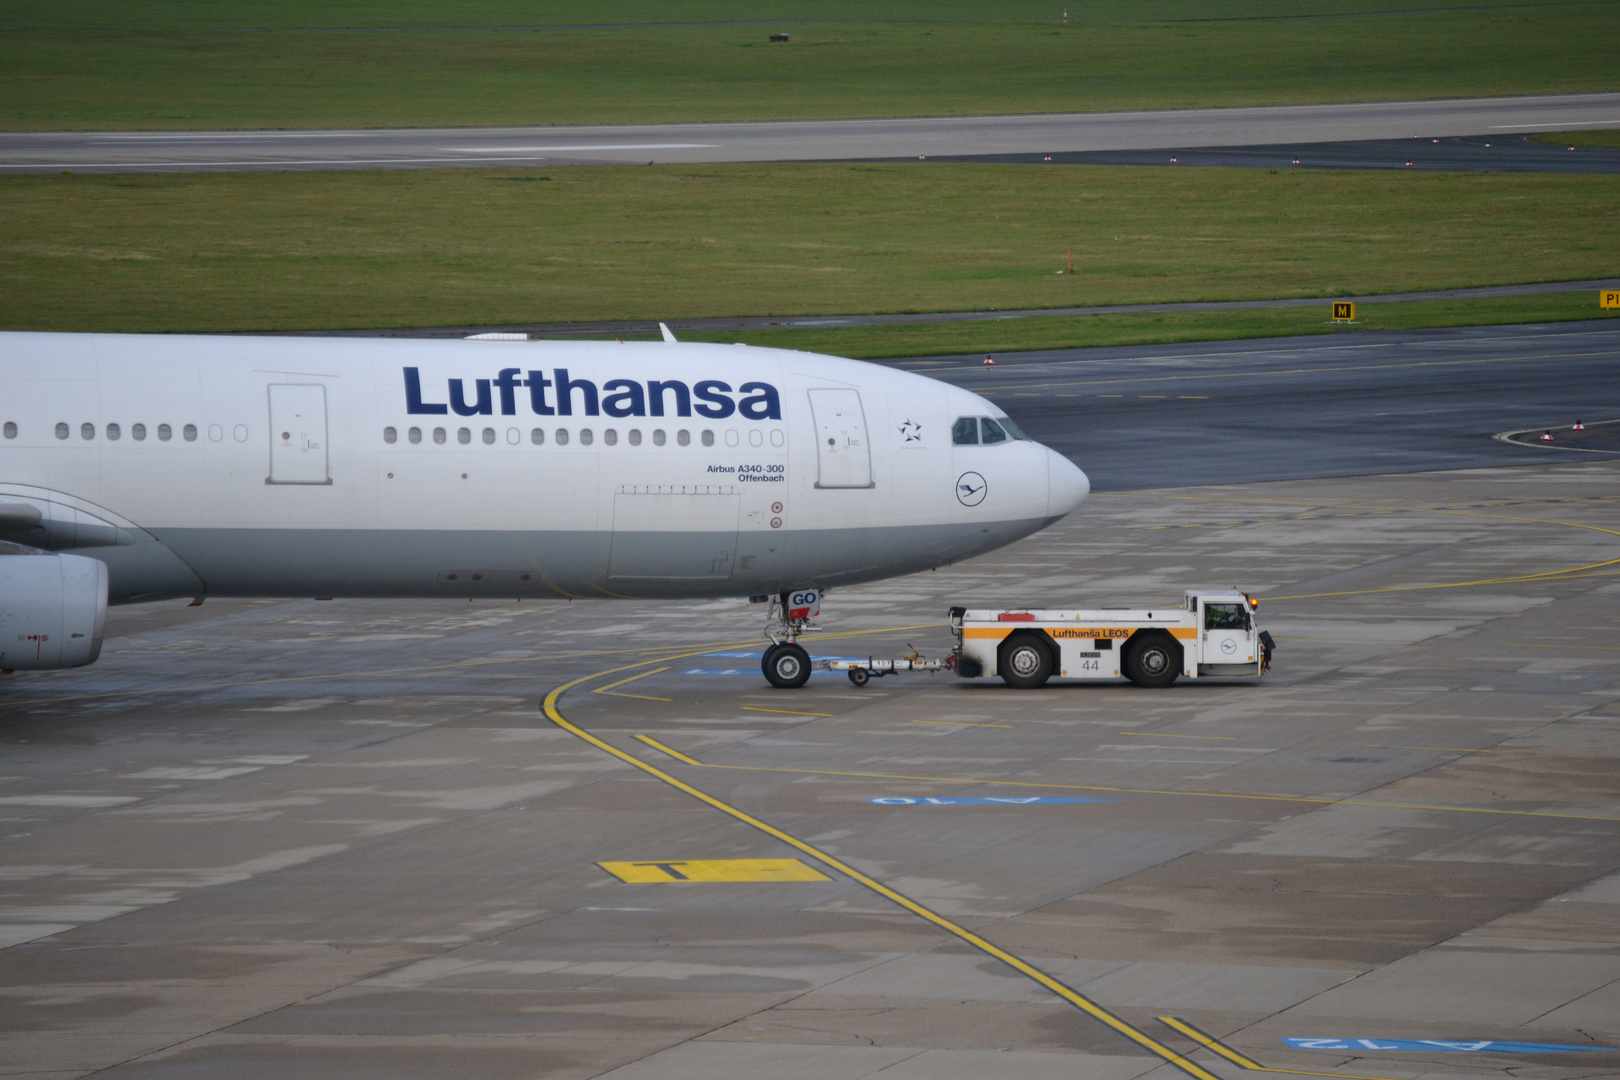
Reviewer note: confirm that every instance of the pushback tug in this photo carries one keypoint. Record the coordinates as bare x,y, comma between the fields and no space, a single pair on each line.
1212,635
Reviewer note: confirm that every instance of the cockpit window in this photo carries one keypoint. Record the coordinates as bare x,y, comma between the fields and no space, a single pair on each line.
992,430
1013,429
1225,617
965,432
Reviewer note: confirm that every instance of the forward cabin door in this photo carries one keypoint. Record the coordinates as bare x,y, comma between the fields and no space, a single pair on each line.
843,452
298,434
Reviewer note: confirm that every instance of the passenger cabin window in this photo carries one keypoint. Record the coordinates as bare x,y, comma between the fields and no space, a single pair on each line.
11,429
165,432
991,430
965,432
1225,617
137,432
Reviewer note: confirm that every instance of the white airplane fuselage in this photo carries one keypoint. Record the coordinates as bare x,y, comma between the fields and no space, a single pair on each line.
363,467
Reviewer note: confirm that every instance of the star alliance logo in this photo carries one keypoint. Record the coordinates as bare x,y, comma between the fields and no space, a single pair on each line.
912,431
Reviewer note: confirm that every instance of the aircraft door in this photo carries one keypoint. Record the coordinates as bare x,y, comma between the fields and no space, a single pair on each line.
843,452
1228,634
298,434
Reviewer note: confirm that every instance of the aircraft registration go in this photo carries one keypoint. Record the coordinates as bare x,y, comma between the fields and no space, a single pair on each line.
137,468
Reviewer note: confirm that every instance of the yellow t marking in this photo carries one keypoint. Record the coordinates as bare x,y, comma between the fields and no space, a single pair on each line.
730,870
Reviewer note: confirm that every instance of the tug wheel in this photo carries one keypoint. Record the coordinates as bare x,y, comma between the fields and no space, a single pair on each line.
1152,659
1024,662
859,676
787,667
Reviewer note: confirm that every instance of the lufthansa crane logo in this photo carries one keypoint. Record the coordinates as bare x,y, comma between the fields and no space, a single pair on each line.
970,489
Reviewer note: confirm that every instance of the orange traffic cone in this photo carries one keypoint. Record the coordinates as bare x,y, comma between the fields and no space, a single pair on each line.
989,362
1578,426
1546,436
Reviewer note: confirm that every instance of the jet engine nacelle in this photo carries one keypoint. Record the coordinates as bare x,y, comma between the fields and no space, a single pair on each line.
53,609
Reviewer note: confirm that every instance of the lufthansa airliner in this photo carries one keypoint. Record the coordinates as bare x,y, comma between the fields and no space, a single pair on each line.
139,468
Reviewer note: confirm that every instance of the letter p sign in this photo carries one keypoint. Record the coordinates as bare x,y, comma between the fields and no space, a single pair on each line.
803,604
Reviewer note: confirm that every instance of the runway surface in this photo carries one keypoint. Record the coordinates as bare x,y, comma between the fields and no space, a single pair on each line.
361,839
1291,408
168,151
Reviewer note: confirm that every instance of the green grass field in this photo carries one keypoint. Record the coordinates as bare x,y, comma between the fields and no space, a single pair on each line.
298,63
1602,137
326,250
1077,331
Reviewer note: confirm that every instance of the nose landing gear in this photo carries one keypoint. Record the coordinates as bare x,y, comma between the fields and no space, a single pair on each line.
786,664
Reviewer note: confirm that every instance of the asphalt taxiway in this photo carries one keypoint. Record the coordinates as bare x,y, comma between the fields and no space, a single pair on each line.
1293,408
819,140
366,839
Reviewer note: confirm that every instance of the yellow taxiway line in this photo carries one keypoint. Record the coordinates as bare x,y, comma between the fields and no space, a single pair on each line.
608,689
950,926
958,723
785,712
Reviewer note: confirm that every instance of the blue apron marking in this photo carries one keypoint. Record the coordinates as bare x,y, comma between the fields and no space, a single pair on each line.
1467,1046
954,800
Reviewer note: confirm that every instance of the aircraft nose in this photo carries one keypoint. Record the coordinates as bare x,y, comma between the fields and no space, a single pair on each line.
1066,485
